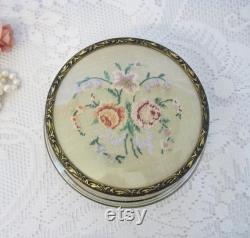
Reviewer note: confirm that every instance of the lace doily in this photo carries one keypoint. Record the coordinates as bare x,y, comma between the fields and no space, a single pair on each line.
213,37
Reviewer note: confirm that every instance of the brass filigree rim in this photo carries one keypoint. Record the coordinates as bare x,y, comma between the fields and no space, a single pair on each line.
100,187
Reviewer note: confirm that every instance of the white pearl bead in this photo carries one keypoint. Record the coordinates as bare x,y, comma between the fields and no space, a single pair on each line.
12,76
5,73
7,88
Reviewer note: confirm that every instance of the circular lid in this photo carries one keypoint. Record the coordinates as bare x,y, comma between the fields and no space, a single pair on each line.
125,120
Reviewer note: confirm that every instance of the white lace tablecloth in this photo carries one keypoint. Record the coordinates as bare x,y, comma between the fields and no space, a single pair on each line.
212,36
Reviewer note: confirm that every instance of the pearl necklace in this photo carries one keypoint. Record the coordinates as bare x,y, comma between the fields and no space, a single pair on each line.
8,82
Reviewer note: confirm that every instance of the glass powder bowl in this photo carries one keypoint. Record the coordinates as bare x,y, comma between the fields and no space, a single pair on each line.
126,121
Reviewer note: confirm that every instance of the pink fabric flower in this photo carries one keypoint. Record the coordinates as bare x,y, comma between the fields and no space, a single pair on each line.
126,81
6,38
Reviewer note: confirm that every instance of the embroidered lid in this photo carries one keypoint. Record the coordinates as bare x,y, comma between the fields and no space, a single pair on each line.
126,120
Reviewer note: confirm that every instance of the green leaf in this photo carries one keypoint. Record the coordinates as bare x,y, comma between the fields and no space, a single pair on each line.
111,91
148,75
133,98
137,128
178,115
165,120
118,66
95,141
161,75
119,157
106,75
160,103
94,104
128,107
128,68
133,148
130,127
138,149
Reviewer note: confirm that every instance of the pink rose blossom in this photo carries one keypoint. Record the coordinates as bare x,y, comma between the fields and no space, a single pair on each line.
145,114
6,38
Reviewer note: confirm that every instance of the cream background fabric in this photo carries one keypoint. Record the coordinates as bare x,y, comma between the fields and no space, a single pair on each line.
212,36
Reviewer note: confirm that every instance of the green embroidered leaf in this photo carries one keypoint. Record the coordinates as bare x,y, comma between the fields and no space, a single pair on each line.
138,149
74,96
128,68
106,75
178,115
119,157
89,105
133,147
162,103
148,75
128,107
134,98
119,94
118,66
95,141
164,122
161,75
116,94
130,127
81,133
113,92
95,121
94,104
137,128
125,144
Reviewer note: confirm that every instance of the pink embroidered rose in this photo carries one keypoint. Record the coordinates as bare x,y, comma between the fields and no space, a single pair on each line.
6,38
146,114
126,81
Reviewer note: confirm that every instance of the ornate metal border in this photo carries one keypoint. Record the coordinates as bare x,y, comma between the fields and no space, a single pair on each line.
81,177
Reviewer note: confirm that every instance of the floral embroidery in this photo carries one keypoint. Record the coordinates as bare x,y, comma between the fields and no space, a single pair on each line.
110,115
125,81
125,114
101,149
76,113
146,114
168,141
